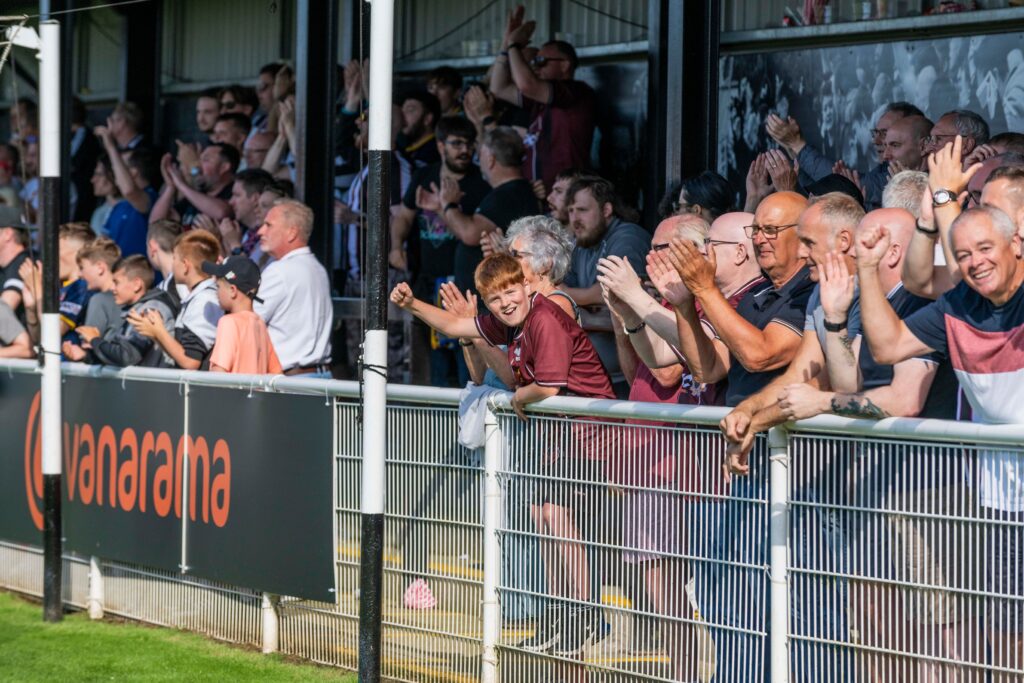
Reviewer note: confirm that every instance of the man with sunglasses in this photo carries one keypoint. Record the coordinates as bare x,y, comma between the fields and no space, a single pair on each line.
561,109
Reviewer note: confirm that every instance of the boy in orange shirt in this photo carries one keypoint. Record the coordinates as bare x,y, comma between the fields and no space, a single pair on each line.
243,344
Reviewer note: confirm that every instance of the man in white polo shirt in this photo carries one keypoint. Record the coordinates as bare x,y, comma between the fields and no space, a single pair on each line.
296,291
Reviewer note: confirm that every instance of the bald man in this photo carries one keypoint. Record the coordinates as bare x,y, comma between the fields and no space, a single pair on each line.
905,143
649,328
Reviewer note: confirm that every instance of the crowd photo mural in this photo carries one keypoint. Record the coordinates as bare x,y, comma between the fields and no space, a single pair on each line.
837,111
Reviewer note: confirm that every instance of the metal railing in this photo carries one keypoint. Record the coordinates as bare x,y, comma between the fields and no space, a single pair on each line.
608,526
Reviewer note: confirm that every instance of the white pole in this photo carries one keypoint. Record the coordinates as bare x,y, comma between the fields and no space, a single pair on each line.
97,592
271,623
375,344
49,168
778,501
492,547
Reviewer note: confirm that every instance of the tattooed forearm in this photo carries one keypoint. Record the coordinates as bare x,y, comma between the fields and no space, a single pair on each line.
857,405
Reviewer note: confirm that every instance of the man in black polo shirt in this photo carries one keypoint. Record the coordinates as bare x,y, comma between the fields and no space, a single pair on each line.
755,342
750,345
423,244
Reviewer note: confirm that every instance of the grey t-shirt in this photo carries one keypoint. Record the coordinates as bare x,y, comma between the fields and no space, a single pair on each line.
815,318
102,312
10,327
621,239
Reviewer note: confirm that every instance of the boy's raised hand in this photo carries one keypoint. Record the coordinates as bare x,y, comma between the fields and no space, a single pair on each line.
402,296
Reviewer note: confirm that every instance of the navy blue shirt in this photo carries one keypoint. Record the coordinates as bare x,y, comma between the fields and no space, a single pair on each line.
762,307
942,397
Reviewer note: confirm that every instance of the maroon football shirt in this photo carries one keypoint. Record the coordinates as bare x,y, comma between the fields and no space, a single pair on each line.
550,349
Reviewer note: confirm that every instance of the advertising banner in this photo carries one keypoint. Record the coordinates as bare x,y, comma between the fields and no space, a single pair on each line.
247,489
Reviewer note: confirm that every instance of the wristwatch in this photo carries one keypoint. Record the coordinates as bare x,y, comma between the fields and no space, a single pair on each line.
835,327
942,197
634,330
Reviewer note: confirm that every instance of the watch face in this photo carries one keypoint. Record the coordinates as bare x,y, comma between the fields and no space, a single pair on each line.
942,197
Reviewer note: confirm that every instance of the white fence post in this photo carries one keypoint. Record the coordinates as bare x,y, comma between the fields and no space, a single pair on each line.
271,625
492,548
778,502
96,599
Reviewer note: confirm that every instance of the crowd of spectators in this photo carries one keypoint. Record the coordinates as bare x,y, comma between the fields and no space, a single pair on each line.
818,289
892,293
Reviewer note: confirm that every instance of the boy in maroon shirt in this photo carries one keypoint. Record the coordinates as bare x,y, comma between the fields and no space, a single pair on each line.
550,354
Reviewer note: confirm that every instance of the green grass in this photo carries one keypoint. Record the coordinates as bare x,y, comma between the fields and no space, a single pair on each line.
78,649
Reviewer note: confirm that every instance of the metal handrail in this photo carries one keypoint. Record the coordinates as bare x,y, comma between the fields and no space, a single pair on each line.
889,428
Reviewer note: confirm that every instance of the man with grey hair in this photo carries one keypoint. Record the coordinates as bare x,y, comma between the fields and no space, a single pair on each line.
967,124
905,191
978,325
295,294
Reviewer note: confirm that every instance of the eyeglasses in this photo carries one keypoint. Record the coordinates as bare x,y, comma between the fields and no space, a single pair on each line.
458,143
715,243
515,253
770,232
229,104
936,139
660,247
539,61
879,132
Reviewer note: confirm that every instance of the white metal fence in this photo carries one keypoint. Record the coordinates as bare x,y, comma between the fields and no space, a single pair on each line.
599,541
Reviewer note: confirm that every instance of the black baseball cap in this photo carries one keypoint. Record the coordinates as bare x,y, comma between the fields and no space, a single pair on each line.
239,271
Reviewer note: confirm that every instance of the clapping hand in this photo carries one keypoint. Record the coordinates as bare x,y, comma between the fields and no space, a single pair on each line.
840,168
450,192
666,280
836,286
696,271
147,323
428,200
785,132
781,171
616,274
457,303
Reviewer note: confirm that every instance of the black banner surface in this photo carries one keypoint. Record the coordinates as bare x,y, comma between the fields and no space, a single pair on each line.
251,480
21,477
123,466
278,535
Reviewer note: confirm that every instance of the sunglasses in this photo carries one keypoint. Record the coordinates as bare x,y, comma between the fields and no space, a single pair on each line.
769,231
229,104
539,61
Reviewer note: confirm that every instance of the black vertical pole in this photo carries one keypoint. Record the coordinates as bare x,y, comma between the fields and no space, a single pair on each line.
140,62
375,344
315,94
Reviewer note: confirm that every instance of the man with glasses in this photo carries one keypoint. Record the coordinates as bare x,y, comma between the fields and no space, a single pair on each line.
422,243
816,166
755,342
970,126
561,109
